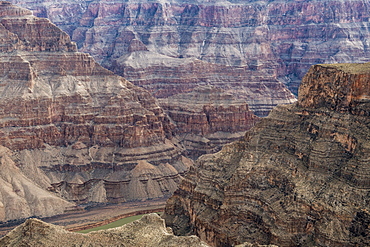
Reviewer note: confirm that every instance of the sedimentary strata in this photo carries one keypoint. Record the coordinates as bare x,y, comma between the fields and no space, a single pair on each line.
300,177
207,118
171,47
74,129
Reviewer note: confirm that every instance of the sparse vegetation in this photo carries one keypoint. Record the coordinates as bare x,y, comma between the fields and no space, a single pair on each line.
354,68
114,224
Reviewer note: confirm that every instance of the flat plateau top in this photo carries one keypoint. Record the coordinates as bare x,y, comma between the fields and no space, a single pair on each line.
353,68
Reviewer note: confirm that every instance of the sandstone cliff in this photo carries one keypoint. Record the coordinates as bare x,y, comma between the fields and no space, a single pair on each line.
75,128
150,230
300,177
207,118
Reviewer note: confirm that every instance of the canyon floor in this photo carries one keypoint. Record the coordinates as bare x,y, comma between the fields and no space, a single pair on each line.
97,215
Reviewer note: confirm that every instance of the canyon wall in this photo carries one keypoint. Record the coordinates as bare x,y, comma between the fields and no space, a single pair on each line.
247,47
300,177
172,47
84,135
207,118
71,130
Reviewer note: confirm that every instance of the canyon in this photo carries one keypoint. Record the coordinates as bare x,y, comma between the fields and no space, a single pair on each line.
74,134
252,49
300,177
172,47
71,131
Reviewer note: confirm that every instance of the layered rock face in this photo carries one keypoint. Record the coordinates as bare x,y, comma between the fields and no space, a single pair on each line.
207,118
300,177
75,128
150,230
171,47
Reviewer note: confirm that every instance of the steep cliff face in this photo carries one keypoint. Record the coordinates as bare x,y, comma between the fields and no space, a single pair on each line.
300,177
76,128
171,47
207,118
268,40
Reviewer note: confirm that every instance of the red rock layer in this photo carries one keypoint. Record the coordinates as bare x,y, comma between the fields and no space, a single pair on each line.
208,118
300,177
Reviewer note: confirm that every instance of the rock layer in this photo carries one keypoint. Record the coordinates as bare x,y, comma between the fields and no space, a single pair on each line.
264,41
207,118
300,177
75,128
171,47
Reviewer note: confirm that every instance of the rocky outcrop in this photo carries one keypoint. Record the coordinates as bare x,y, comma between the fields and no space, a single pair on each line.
75,128
150,230
207,118
300,177
348,90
